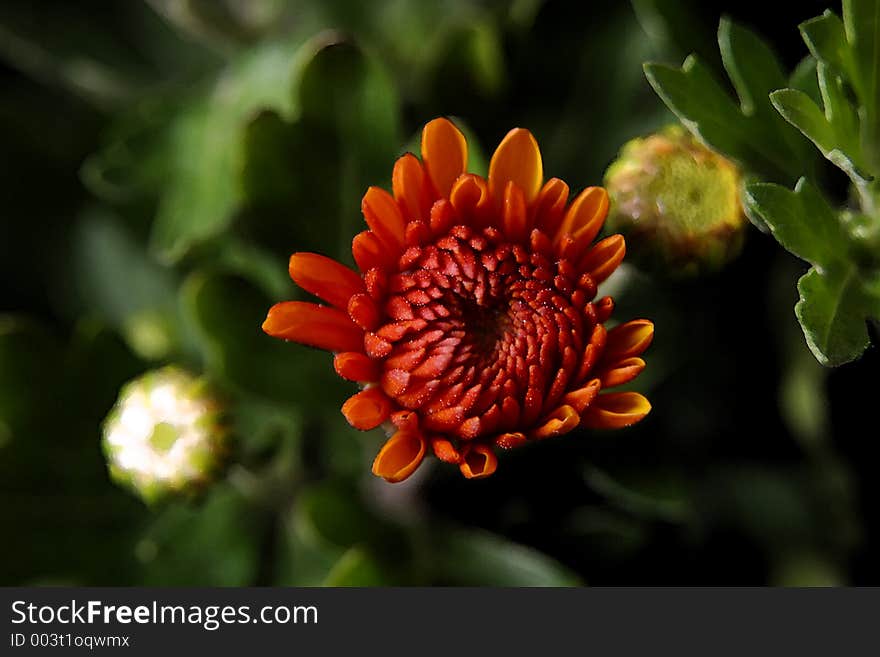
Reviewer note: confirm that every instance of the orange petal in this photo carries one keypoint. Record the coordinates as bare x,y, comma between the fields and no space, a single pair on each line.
447,419
395,381
550,205
604,307
363,311
356,366
605,256
369,252
444,152
513,214
405,420
417,233
443,217
445,451
516,159
399,457
375,346
585,216
367,409
592,351
583,397
410,190
540,243
478,461
376,282
325,278
616,410
314,325
470,197
622,372
510,440
560,421
384,218
628,339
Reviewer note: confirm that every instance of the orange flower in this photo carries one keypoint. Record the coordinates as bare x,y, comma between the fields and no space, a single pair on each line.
473,323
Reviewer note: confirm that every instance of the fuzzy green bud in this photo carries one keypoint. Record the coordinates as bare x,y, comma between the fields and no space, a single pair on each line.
677,202
164,436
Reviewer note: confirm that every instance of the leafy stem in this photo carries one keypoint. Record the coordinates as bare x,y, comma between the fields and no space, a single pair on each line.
839,113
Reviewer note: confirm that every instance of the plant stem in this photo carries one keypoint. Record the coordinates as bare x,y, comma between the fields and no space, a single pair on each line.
868,200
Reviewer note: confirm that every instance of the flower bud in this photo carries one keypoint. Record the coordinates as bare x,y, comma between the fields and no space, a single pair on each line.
677,203
164,435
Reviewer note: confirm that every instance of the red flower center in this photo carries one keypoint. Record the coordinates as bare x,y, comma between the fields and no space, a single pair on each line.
486,334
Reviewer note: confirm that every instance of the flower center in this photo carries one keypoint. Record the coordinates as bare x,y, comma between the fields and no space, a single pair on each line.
486,326
484,335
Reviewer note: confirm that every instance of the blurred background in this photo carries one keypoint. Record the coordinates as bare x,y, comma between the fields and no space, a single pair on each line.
162,159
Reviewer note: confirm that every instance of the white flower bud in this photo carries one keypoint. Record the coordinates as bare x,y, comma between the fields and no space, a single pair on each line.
164,436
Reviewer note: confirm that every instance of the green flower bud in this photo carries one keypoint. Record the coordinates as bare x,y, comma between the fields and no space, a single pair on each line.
164,436
677,203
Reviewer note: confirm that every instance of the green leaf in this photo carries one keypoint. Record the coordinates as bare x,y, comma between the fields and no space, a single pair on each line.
268,442
839,111
355,568
801,220
755,71
300,560
206,142
226,313
133,164
804,78
333,514
215,543
826,39
834,131
105,253
753,133
798,109
351,93
753,68
673,27
861,19
345,92
661,495
469,59
478,558
261,268
710,113
834,306
283,180
332,538
348,113
703,107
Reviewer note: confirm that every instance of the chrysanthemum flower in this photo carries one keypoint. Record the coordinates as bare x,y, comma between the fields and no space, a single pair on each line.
473,322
